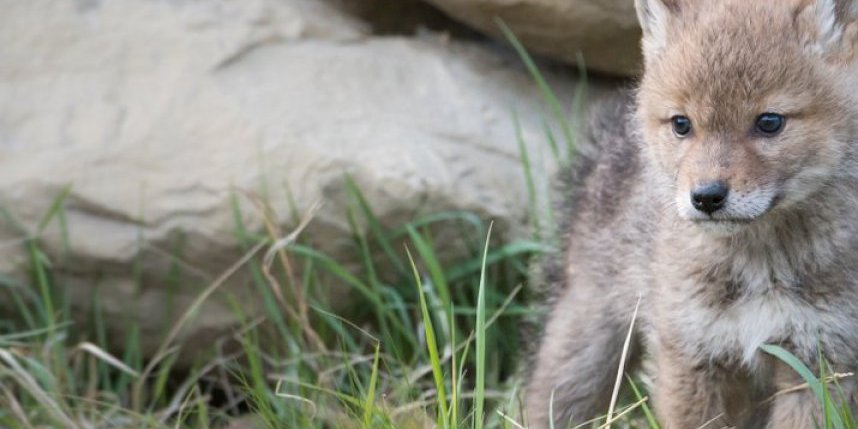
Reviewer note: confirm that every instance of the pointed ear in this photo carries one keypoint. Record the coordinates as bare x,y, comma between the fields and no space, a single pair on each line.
825,24
654,17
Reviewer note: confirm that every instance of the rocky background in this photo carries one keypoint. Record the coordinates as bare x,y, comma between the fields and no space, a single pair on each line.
156,118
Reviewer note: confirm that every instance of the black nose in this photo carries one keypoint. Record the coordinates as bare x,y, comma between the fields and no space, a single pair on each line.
709,197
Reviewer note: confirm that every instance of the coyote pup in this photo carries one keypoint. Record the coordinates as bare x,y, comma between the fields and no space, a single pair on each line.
726,198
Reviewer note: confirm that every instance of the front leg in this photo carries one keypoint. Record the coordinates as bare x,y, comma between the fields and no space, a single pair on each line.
578,360
795,406
690,396
795,410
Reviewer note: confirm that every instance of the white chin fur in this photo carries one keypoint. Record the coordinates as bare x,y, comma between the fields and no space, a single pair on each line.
742,207
721,228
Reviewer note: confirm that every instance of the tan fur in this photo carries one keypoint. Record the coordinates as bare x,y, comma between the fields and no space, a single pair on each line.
777,265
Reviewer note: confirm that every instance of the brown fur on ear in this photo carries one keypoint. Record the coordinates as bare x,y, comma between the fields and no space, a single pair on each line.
829,26
850,38
847,9
654,17
849,16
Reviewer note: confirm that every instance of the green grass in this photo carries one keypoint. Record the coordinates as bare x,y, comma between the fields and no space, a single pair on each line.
436,344
430,340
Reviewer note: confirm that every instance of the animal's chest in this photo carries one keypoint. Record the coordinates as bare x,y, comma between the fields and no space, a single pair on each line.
720,301
734,333
725,312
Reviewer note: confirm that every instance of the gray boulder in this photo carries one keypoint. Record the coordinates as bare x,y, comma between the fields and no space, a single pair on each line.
157,116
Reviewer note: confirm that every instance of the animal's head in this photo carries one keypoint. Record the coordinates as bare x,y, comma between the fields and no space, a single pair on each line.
747,106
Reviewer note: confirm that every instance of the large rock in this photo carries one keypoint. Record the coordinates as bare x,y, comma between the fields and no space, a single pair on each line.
157,114
605,32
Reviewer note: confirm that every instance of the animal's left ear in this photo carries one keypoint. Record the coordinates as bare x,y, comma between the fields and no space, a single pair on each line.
655,18
830,25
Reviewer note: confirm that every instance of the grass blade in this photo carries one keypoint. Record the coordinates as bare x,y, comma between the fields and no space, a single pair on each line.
369,407
650,417
547,93
432,346
480,388
622,365
532,197
436,272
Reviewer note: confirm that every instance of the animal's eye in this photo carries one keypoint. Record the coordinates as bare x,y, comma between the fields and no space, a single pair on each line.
770,124
681,125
